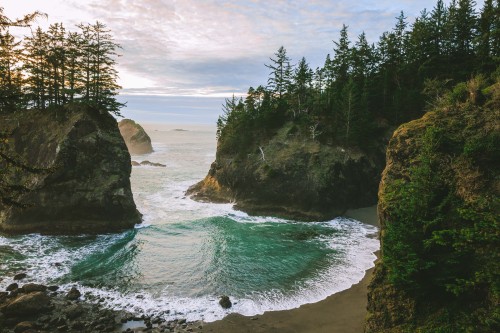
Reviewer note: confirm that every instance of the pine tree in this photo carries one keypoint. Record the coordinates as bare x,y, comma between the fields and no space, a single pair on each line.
10,73
341,63
302,80
281,72
36,50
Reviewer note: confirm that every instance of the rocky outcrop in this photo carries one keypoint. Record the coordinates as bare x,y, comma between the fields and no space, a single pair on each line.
148,163
136,138
294,177
438,210
75,175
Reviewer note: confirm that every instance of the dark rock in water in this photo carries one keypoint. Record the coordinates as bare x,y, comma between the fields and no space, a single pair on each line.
136,138
31,287
83,182
135,163
12,286
73,294
53,288
23,327
148,163
27,304
225,302
19,276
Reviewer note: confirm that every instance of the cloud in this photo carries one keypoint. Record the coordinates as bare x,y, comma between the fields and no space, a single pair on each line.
220,46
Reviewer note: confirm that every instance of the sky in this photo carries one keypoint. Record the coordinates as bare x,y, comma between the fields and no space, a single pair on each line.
217,48
187,56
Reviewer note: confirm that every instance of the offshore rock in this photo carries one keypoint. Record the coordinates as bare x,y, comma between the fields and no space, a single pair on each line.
294,177
225,302
136,138
77,174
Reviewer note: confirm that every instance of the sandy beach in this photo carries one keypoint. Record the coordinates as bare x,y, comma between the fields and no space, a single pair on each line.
343,312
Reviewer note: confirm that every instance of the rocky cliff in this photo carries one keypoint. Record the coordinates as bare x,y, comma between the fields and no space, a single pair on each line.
294,177
136,138
74,175
438,209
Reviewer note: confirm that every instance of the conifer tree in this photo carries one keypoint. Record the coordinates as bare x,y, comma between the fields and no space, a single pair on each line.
281,72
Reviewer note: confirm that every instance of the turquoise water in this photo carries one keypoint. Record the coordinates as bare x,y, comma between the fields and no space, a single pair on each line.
187,253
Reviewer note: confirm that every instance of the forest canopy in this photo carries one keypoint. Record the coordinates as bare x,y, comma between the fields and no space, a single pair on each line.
57,66
365,87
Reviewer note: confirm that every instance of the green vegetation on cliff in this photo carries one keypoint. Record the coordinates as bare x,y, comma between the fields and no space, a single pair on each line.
310,142
58,73
363,88
439,207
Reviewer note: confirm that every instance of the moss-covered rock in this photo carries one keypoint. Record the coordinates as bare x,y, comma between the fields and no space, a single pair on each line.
76,176
295,177
136,138
440,234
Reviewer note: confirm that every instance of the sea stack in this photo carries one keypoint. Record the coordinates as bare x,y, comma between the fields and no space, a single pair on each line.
136,138
292,176
75,176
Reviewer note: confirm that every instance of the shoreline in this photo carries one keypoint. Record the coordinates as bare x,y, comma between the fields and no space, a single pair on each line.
342,312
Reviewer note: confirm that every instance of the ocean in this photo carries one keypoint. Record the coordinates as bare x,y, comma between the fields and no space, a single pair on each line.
186,254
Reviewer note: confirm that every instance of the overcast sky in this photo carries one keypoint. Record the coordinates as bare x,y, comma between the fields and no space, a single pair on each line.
218,47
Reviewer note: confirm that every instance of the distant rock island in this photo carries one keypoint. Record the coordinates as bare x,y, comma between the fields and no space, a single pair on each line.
136,138
148,163
77,174
179,130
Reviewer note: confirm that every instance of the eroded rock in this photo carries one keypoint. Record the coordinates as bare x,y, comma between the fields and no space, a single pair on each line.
136,138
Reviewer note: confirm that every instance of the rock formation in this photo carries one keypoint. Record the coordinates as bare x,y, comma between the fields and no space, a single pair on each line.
77,174
294,177
438,209
136,138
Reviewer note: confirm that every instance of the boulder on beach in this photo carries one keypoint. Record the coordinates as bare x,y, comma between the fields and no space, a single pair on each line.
73,294
32,287
27,304
136,138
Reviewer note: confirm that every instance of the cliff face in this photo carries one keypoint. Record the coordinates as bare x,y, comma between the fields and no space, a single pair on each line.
136,138
81,178
440,235
293,177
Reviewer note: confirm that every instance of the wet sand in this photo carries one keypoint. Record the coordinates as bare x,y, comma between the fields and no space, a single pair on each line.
343,312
